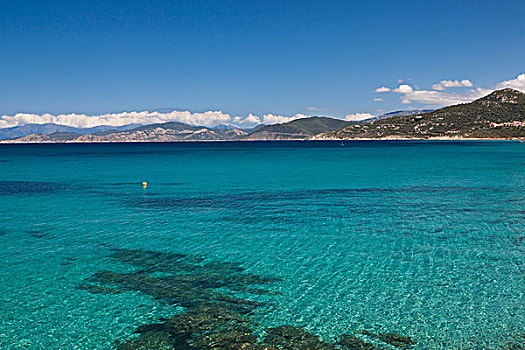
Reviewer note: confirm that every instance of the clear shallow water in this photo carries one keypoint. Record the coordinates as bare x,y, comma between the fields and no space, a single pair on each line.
421,239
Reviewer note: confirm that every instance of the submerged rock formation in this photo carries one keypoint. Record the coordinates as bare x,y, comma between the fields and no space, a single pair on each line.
214,317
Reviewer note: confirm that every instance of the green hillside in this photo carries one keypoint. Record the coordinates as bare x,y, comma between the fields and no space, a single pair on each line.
470,120
298,129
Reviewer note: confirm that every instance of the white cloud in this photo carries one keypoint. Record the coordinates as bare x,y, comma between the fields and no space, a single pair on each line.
209,118
378,99
358,116
517,84
404,89
382,89
250,120
428,97
444,84
276,119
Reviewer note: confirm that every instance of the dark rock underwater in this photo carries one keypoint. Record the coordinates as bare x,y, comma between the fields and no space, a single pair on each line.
213,317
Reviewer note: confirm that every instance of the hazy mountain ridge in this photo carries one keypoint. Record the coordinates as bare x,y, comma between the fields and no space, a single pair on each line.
477,119
163,132
50,128
176,131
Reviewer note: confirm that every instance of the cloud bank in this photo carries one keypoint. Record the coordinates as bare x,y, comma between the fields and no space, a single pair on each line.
209,118
436,97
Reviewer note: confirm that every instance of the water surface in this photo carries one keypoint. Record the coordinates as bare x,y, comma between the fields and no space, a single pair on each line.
424,240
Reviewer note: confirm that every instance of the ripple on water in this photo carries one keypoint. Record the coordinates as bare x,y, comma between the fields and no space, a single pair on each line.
215,314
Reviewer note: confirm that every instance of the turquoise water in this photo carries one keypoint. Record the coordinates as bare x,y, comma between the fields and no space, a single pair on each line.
420,239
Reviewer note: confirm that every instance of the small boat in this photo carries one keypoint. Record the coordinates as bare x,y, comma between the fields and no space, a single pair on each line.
521,141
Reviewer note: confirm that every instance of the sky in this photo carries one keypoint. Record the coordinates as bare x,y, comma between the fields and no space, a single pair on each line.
86,63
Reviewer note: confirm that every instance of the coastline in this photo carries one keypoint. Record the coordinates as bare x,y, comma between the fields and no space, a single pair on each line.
11,142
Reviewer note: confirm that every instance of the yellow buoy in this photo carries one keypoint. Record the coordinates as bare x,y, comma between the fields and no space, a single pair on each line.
144,184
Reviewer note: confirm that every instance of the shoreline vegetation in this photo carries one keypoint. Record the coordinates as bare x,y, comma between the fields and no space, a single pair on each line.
497,116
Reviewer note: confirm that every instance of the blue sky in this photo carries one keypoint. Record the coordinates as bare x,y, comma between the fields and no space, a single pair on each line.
283,58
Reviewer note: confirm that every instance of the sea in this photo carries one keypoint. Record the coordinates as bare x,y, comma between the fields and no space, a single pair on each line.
263,245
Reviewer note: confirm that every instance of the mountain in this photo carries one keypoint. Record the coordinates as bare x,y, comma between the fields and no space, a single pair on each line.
500,114
307,127
44,138
162,132
49,128
297,129
176,131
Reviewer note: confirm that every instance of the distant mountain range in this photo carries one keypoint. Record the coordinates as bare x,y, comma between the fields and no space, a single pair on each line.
296,129
163,132
498,115
176,131
49,128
